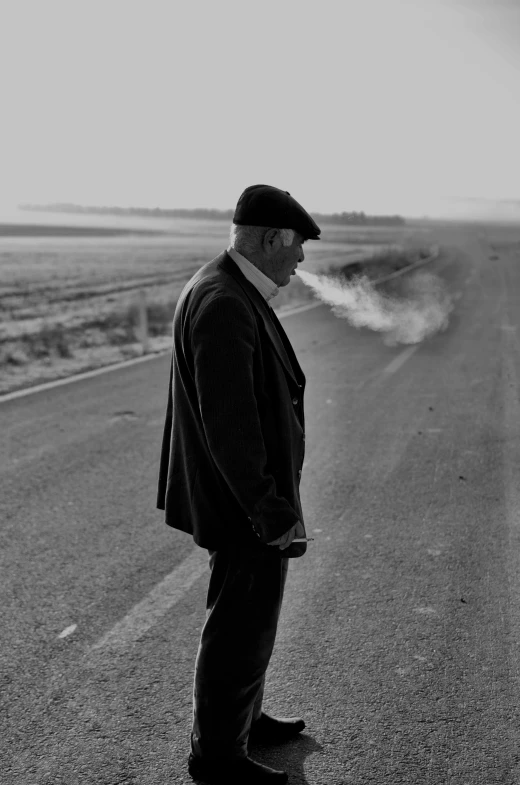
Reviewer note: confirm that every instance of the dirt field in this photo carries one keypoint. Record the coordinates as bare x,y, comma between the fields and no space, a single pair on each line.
69,303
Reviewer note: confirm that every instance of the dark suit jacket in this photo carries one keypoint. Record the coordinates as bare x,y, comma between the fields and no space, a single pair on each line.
233,443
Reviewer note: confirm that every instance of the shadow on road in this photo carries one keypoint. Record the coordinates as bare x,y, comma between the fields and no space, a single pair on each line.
290,757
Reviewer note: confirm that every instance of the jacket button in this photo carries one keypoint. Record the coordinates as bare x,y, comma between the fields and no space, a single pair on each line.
295,401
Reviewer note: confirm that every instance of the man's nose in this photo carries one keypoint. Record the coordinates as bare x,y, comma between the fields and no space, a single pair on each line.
302,256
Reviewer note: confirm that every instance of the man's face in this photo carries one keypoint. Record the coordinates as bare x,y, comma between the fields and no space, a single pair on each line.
287,260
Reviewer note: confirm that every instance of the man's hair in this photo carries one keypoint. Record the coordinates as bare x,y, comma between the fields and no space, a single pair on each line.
248,239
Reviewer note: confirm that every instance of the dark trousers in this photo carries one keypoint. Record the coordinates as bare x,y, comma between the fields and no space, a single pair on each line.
243,605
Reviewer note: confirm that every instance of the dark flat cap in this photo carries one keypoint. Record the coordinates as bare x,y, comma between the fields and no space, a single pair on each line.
264,205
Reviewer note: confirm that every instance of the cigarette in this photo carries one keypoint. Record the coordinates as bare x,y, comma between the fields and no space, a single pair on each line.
304,539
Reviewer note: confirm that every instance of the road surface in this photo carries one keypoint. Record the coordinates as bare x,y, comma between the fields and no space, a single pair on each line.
399,638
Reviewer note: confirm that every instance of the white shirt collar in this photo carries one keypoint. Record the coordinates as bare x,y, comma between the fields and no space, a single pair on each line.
267,288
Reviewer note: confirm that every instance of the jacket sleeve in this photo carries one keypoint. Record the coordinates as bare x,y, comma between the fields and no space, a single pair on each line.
223,345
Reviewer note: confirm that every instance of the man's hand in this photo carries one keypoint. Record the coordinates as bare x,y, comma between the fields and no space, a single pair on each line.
286,539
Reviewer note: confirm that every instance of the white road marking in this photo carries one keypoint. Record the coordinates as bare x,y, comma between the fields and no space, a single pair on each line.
125,364
433,255
377,376
77,377
162,597
67,631
400,359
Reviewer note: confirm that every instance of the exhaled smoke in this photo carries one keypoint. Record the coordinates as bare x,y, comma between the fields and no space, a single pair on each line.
420,308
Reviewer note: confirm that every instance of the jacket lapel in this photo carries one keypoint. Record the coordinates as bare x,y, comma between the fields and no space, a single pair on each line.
262,309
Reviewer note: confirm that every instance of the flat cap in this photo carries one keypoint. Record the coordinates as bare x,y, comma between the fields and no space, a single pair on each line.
265,205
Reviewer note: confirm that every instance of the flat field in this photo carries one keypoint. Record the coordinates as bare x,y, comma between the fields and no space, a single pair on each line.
69,295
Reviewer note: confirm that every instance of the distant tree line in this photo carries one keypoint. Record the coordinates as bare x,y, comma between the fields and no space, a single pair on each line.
360,219
351,219
145,212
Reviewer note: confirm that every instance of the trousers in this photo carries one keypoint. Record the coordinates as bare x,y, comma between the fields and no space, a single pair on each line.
242,610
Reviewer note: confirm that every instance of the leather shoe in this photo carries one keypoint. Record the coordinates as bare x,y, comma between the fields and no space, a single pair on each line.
275,730
241,771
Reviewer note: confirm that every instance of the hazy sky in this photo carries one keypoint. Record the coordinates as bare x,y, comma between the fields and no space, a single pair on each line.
381,105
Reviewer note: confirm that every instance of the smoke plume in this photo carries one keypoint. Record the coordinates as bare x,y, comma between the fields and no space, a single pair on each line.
418,307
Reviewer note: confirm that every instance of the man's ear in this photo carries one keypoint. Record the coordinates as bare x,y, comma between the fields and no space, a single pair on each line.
271,240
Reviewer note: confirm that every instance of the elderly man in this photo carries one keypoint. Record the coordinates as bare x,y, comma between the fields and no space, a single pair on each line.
230,470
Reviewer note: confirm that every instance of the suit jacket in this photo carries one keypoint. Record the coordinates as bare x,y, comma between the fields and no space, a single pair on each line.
234,442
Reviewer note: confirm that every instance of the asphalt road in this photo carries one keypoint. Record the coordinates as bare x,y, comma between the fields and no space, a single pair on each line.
399,638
